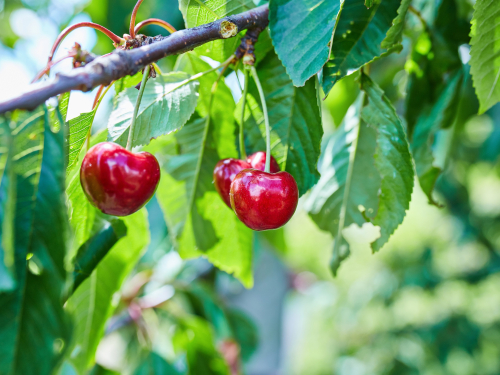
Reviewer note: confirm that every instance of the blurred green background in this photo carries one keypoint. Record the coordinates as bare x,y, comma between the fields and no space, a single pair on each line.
428,303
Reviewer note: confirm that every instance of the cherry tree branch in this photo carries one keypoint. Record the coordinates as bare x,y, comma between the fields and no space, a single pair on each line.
105,69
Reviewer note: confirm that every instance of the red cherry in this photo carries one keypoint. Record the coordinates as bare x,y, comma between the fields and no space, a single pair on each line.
117,181
263,200
224,173
258,161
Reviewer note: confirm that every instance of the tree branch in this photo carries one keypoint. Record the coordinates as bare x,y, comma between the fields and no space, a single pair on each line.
120,63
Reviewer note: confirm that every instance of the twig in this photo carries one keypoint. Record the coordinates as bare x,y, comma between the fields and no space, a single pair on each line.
121,63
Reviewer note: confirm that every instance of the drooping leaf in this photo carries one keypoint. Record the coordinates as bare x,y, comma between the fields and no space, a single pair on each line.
366,174
93,302
7,208
395,33
301,32
358,36
201,223
439,116
79,128
95,249
153,364
167,103
295,120
485,52
200,12
35,330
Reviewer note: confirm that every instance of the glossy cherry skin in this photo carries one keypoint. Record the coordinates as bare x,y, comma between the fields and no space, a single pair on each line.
116,181
224,173
258,161
263,200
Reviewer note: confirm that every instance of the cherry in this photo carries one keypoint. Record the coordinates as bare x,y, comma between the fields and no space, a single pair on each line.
117,181
224,173
263,200
258,161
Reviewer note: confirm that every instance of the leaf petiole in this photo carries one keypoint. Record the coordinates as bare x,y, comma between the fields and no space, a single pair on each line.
266,119
145,76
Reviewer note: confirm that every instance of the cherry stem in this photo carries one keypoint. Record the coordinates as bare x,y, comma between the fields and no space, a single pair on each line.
95,106
157,68
115,38
145,76
157,22
97,96
266,119
49,66
243,153
236,72
132,18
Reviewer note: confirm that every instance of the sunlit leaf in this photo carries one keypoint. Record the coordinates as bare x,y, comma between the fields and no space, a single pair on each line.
167,103
366,174
79,128
200,221
200,12
302,32
221,113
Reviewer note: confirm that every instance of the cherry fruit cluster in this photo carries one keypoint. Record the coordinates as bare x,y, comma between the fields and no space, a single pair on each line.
261,200
120,182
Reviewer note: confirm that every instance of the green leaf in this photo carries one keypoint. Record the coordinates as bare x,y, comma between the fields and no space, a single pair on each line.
95,249
485,52
35,330
201,12
244,331
63,109
301,32
79,128
167,103
7,208
295,118
358,36
94,301
153,364
195,337
207,305
221,113
366,175
395,33
441,115
200,222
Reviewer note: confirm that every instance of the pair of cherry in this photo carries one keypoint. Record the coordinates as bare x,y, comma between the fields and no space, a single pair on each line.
120,182
261,200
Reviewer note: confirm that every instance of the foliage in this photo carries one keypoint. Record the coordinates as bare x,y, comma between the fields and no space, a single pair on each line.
485,64
73,279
